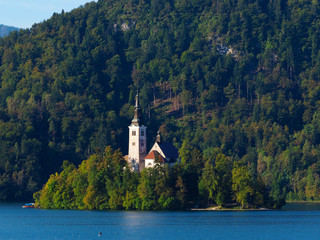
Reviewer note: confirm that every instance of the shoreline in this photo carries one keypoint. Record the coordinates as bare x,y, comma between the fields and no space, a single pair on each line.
218,208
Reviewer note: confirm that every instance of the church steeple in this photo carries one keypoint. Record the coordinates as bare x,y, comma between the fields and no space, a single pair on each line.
137,100
158,139
137,140
137,111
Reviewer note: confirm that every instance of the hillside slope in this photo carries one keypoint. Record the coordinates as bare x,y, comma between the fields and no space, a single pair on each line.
5,30
242,76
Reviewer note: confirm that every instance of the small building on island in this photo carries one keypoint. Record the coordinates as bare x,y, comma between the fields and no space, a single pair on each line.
160,153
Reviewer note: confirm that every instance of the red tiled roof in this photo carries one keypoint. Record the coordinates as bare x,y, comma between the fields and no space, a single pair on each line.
154,155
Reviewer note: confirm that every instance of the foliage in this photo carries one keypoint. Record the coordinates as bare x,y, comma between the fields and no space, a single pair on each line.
241,76
104,181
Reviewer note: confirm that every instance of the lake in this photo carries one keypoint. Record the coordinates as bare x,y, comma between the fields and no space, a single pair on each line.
295,221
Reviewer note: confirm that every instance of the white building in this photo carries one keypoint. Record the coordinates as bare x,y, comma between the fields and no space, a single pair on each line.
137,140
161,152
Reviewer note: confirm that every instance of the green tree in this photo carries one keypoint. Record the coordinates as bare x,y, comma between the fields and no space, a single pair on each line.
242,185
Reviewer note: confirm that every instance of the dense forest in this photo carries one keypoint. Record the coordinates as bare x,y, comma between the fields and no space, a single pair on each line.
239,77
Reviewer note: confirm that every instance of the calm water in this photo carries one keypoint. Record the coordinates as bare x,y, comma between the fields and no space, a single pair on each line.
294,222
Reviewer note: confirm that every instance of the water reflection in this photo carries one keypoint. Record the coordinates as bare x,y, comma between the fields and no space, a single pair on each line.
292,223
310,206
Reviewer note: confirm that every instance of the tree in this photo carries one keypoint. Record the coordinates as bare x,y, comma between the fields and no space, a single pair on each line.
209,180
242,185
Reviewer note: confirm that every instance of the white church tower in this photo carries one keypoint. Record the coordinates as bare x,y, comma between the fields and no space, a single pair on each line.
137,140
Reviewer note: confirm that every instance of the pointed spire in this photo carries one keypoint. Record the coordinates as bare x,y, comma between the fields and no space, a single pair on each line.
158,139
137,100
137,111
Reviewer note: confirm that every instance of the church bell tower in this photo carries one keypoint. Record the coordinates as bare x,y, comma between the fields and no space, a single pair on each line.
137,140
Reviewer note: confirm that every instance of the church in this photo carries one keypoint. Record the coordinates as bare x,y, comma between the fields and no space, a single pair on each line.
160,153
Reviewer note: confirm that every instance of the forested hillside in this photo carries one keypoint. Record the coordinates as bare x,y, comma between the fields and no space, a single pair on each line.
241,76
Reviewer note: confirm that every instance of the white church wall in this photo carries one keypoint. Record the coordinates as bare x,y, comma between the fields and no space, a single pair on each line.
137,145
149,163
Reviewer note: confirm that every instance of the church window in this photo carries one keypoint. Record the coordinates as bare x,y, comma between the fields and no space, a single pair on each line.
133,144
142,144
142,133
134,133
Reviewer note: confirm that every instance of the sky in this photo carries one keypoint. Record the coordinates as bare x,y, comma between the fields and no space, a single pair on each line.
24,13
